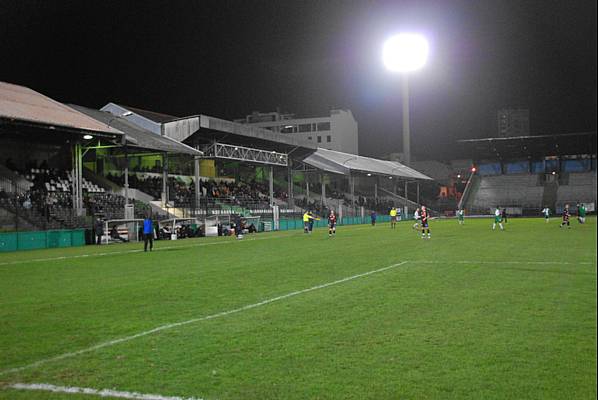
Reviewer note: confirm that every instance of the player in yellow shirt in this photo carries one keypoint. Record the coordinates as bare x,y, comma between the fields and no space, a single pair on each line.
393,218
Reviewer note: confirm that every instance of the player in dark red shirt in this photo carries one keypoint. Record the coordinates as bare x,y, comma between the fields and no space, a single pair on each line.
566,217
331,224
424,216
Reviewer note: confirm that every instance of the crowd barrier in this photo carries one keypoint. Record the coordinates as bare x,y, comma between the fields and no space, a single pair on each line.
12,241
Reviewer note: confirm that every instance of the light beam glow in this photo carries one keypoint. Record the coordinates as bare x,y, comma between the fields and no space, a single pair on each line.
405,52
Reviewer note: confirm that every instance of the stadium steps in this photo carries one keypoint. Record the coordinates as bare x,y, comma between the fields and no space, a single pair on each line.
172,212
470,192
550,195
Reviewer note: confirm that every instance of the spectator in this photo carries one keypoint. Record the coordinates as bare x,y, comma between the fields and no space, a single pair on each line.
99,230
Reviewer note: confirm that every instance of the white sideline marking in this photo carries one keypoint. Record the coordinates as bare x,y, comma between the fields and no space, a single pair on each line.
134,251
95,392
502,262
190,321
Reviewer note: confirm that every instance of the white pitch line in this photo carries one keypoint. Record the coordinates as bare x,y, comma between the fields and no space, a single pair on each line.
190,321
503,262
109,253
95,392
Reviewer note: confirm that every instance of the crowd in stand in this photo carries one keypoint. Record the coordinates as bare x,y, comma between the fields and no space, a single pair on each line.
183,193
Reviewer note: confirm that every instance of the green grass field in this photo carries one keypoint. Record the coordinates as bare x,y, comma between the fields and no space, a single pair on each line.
470,314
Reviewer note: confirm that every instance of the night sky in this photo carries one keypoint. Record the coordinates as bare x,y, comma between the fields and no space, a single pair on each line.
229,58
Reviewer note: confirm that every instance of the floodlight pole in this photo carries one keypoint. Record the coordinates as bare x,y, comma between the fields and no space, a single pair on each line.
406,131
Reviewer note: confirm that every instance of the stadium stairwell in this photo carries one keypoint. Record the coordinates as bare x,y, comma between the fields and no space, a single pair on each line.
469,193
549,197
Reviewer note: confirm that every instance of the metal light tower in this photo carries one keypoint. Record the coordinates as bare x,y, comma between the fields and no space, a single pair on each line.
404,53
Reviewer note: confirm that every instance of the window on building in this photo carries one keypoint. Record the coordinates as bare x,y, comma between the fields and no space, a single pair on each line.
319,139
328,138
305,128
309,138
288,128
323,126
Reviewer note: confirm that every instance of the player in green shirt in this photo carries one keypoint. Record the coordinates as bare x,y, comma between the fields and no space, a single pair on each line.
498,219
460,216
581,214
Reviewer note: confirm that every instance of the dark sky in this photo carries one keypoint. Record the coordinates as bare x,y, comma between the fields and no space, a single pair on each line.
228,58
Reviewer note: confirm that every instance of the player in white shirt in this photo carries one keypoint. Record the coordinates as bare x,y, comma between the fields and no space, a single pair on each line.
546,212
498,219
416,217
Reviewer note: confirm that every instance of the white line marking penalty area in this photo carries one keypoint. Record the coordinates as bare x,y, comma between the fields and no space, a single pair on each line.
95,392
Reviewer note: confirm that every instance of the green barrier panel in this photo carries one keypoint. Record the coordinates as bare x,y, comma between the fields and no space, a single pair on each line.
8,241
53,238
64,239
31,240
78,237
40,240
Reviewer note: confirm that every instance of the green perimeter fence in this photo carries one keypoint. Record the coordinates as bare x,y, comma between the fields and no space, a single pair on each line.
297,223
12,241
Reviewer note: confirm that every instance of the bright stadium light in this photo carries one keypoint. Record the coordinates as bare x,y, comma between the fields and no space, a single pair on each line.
87,137
405,52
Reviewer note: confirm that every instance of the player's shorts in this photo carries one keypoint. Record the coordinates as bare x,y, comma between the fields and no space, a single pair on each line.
460,217
393,219
497,220
332,225
424,224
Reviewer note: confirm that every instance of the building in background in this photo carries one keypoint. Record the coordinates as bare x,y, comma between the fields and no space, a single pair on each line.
335,132
513,122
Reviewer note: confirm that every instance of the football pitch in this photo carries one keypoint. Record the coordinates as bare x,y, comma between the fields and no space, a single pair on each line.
372,313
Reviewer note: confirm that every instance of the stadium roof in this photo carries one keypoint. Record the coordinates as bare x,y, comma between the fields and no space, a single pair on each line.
344,163
529,146
203,130
21,105
151,115
137,136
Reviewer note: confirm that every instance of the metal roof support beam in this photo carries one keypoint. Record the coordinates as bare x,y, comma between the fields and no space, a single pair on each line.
196,182
248,154
271,184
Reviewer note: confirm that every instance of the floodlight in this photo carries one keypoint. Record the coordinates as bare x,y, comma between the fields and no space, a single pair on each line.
405,52
87,137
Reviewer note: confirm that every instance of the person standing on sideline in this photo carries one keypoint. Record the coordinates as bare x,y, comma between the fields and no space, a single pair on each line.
99,228
460,216
497,219
148,232
373,217
546,212
393,218
399,214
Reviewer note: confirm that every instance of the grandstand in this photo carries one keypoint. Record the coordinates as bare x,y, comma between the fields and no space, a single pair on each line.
66,165
529,173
